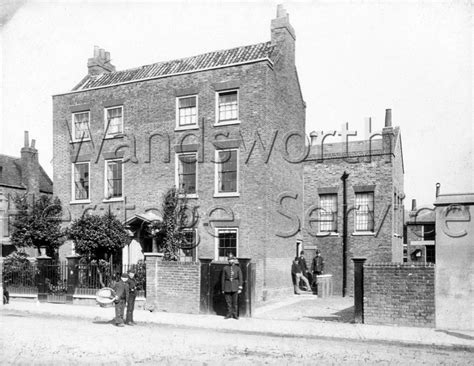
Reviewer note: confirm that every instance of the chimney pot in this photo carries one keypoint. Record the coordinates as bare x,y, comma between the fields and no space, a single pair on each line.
102,53
33,142
107,56
388,118
27,139
413,204
438,186
281,11
96,51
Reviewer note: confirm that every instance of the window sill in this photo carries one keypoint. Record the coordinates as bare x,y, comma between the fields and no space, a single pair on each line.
363,233
185,128
77,202
191,195
117,136
230,194
322,235
227,123
117,199
79,141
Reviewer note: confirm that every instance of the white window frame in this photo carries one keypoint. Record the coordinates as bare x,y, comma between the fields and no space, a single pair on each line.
361,232
73,181
216,174
216,242
179,127
228,122
109,135
321,211
121,198
176,175
73,129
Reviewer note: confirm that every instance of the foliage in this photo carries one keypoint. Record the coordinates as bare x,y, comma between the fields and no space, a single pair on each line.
18,270
37,223
98,237
176,218
140,274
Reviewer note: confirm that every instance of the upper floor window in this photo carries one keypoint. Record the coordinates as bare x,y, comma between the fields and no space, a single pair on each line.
114,179
81,181
328,213
227,172
187,111
228,106
187,173
114,120
80,125
364,211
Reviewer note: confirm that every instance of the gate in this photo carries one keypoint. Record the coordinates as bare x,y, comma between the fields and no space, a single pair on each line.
52,282
212,299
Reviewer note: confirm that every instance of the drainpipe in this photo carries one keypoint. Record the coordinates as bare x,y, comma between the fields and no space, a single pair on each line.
344,233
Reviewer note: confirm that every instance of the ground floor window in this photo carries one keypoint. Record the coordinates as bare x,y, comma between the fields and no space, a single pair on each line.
226,243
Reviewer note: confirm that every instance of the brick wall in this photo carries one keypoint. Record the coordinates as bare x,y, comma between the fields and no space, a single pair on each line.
173,286
401,294
1,276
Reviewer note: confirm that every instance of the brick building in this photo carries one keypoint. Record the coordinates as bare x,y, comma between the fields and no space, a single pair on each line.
374,195
218,125
19,175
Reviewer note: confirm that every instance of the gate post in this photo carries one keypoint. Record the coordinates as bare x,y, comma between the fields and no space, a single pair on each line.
245,298
72,276
359,289
43,262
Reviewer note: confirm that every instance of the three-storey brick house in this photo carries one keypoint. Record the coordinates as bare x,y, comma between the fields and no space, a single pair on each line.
222,126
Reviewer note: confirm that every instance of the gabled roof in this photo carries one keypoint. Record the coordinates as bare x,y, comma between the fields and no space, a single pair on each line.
210,60
11,175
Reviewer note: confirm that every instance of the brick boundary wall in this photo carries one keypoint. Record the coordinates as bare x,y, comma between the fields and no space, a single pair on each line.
173,286
401,294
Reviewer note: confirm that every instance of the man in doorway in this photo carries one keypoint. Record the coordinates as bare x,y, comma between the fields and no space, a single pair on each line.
304,268
121,299
297,273
231,285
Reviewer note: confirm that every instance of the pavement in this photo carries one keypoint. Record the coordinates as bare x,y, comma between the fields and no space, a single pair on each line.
296,316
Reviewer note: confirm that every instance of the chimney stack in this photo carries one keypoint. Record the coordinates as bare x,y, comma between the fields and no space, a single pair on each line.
388,118
283,36
30,170
100,63
413,204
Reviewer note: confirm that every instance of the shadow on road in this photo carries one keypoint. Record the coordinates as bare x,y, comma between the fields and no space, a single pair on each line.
455,334
341,316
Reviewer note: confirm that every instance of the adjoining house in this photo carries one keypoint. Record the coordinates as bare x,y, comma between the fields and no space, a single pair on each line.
420,235
19,175
353,198
220,126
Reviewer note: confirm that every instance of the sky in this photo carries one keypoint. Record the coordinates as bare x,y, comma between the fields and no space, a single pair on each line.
354,60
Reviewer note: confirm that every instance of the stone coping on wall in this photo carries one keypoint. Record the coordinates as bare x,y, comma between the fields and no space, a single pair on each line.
398,265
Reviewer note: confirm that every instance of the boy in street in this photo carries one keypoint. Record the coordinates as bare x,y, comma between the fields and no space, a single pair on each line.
121,298
132,294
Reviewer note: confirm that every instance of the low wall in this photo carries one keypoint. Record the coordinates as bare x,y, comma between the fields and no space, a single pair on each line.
172,286
401,294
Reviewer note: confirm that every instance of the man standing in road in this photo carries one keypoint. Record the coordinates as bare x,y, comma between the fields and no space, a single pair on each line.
121,298
231,285
132,294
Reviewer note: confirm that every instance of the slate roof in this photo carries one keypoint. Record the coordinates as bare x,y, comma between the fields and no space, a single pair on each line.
205,61
11,174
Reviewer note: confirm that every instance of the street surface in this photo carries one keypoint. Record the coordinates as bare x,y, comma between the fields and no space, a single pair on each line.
32,340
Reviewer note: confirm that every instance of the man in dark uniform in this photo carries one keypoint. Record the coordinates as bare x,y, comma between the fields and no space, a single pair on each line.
121,298
231,285
317,266
132,294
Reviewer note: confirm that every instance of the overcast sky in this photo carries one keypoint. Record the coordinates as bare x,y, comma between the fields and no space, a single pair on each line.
354,60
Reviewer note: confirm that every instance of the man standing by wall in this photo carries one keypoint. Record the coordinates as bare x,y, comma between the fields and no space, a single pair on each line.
132,294
317,266
231,285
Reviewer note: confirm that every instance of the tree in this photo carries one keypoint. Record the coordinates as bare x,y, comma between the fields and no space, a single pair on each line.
98,237
37,223
176,216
